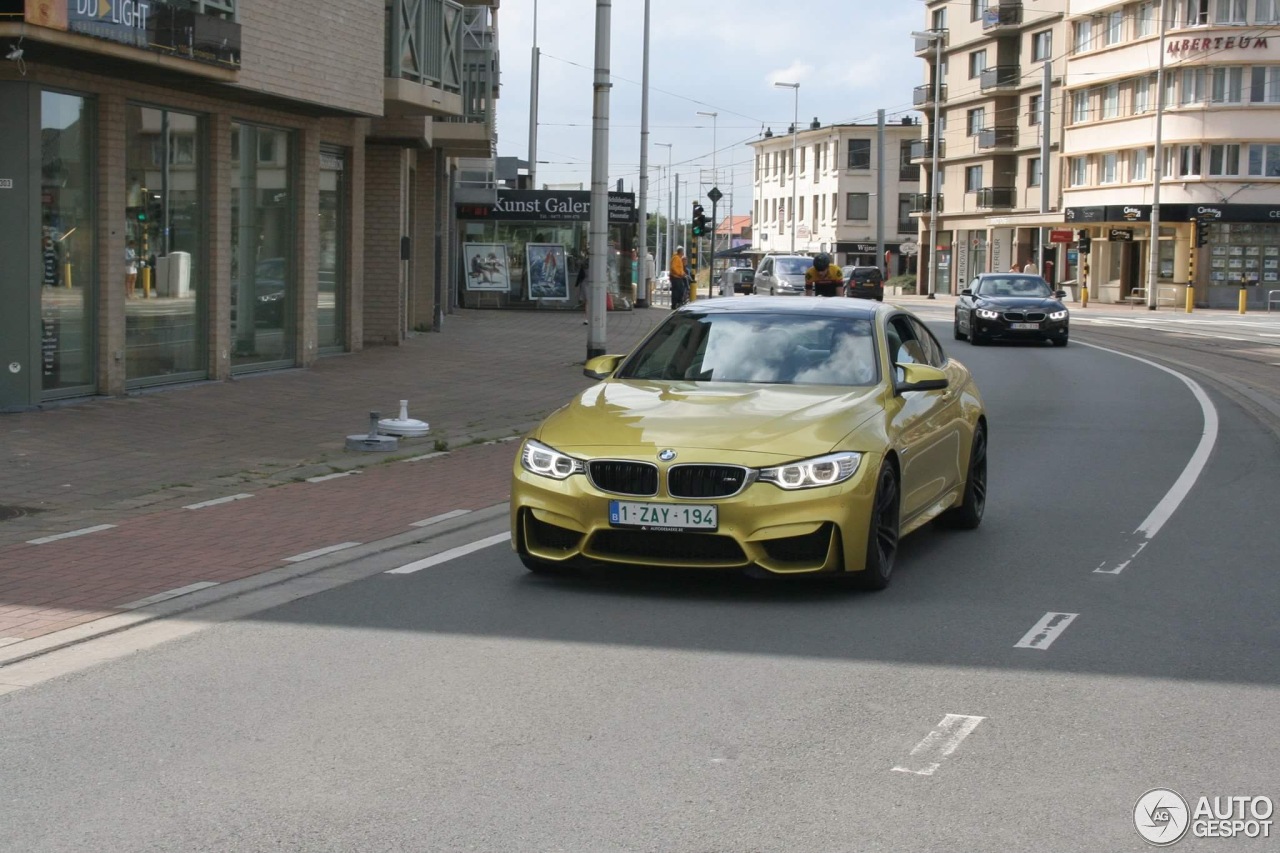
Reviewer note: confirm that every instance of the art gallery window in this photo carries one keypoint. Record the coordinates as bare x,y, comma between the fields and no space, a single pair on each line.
164,231
68,230
263,286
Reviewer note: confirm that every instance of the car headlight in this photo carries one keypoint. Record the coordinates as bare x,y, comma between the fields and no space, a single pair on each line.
987,314
537,458
812,473
1059,315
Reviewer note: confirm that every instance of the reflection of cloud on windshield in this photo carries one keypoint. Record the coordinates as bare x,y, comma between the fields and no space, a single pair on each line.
852,362
791,353
743,353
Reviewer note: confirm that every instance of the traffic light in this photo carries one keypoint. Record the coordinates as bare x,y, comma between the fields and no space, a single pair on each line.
700,224
1083,239
1202,232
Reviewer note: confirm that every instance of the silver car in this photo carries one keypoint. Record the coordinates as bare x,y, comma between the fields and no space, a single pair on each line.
782,275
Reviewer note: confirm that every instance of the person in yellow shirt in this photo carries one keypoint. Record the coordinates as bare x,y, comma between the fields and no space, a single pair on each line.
679,279
823,278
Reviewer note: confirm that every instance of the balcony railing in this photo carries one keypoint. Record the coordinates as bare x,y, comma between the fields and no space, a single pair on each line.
922,149
921,95
922,203
1000,77
996,197
909,172
1006,14
424,42
926,45
906,226
479,65
998,137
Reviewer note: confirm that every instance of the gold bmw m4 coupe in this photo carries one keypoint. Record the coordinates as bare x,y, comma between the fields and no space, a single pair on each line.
770,435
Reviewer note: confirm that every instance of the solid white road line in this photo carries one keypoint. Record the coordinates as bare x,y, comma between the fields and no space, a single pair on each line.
44,540
446,556
436,519
938,744
165,596
217,501
325,477
320,552
1177,493
1046,631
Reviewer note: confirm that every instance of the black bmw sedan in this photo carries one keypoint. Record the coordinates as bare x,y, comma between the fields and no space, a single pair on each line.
1011,306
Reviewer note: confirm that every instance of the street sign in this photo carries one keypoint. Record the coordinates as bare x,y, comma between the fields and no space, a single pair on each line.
909,249
803,232
715,195
1062,235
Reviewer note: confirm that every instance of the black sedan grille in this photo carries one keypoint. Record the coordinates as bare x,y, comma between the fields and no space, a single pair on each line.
1024,316
624,478
706,481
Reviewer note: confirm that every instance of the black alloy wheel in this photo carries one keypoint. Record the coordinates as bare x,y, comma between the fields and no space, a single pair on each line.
968,515
882,537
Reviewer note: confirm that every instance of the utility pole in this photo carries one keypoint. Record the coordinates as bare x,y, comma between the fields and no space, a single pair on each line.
1046,94
598,268
879,192
644,286
1157,169
533,103
795,135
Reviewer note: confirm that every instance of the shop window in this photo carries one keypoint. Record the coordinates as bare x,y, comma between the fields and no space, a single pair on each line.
68,229
332,284
263,287
164,247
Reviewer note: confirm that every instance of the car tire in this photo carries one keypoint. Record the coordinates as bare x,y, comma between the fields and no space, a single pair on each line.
1060,342
883,532
968,515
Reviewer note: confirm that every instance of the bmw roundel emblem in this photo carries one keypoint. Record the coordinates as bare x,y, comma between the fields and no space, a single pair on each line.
667,455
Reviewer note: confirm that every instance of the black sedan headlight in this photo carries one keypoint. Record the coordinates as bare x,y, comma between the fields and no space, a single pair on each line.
988,314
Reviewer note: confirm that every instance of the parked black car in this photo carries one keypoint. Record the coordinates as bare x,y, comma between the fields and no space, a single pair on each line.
1011,306
864,283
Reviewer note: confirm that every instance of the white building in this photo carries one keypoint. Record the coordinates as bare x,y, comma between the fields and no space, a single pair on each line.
832,179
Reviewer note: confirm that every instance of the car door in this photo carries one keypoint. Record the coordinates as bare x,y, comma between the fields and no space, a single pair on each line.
921,423
964,307
764,276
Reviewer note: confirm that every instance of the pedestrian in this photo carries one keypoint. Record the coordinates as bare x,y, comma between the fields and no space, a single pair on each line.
1031,268
130,268
679,279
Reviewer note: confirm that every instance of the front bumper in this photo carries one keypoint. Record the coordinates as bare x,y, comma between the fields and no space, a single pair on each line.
1001,329
865,291
763,527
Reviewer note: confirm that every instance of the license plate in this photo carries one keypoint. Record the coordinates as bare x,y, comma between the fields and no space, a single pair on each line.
1024,327
651,516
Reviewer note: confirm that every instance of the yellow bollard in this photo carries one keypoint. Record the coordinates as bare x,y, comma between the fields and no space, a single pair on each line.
1084,296
146,282
66,275
1244,298
1191,298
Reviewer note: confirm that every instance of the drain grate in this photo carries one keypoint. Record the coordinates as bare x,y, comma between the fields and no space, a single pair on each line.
10,512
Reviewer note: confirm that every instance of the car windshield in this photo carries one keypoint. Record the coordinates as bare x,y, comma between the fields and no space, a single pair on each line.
1014,285
782,349
792,266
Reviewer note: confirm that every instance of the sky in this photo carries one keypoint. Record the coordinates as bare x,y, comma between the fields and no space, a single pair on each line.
851,58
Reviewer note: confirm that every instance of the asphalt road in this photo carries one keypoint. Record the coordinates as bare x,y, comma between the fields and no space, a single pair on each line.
471,706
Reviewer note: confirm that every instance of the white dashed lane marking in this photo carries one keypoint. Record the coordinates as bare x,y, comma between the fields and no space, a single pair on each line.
928,754
452,553
217,501
1048,629
320,552
84,531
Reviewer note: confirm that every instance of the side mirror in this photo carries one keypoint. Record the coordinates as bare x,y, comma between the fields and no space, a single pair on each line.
920,377
968,291
1060,294
602,366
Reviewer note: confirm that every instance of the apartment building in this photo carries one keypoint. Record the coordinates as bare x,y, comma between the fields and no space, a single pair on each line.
1220,133
984,101
831,174
195,189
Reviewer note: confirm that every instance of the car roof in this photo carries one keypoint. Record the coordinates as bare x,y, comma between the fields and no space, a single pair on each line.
856,308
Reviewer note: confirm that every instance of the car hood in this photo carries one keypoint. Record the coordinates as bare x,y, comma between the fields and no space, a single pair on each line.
1001,303
783,421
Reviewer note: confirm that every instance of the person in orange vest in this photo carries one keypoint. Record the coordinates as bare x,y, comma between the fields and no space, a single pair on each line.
679,279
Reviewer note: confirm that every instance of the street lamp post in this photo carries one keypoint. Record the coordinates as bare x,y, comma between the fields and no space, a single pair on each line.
795,134
1157,170
711,263
935,36
667,249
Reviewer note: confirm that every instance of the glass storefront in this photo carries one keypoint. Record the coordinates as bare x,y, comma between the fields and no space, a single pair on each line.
331,287
518,236
67,233
164,266
263,287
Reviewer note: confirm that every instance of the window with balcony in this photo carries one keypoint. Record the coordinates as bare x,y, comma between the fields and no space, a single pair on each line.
977,63
1078,171
906,225
1228,86
1111,100
1042,46
857,206
1264,84
1108,170
1264,161
1079,107
1144,20
1033,171
972,179
1224,160
1231,12
1082,36
938,20
859,154
975,120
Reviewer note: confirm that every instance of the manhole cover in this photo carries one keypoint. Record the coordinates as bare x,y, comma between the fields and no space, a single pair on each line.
8,512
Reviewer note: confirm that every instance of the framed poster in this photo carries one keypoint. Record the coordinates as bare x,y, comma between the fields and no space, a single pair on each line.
485,266
548,273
